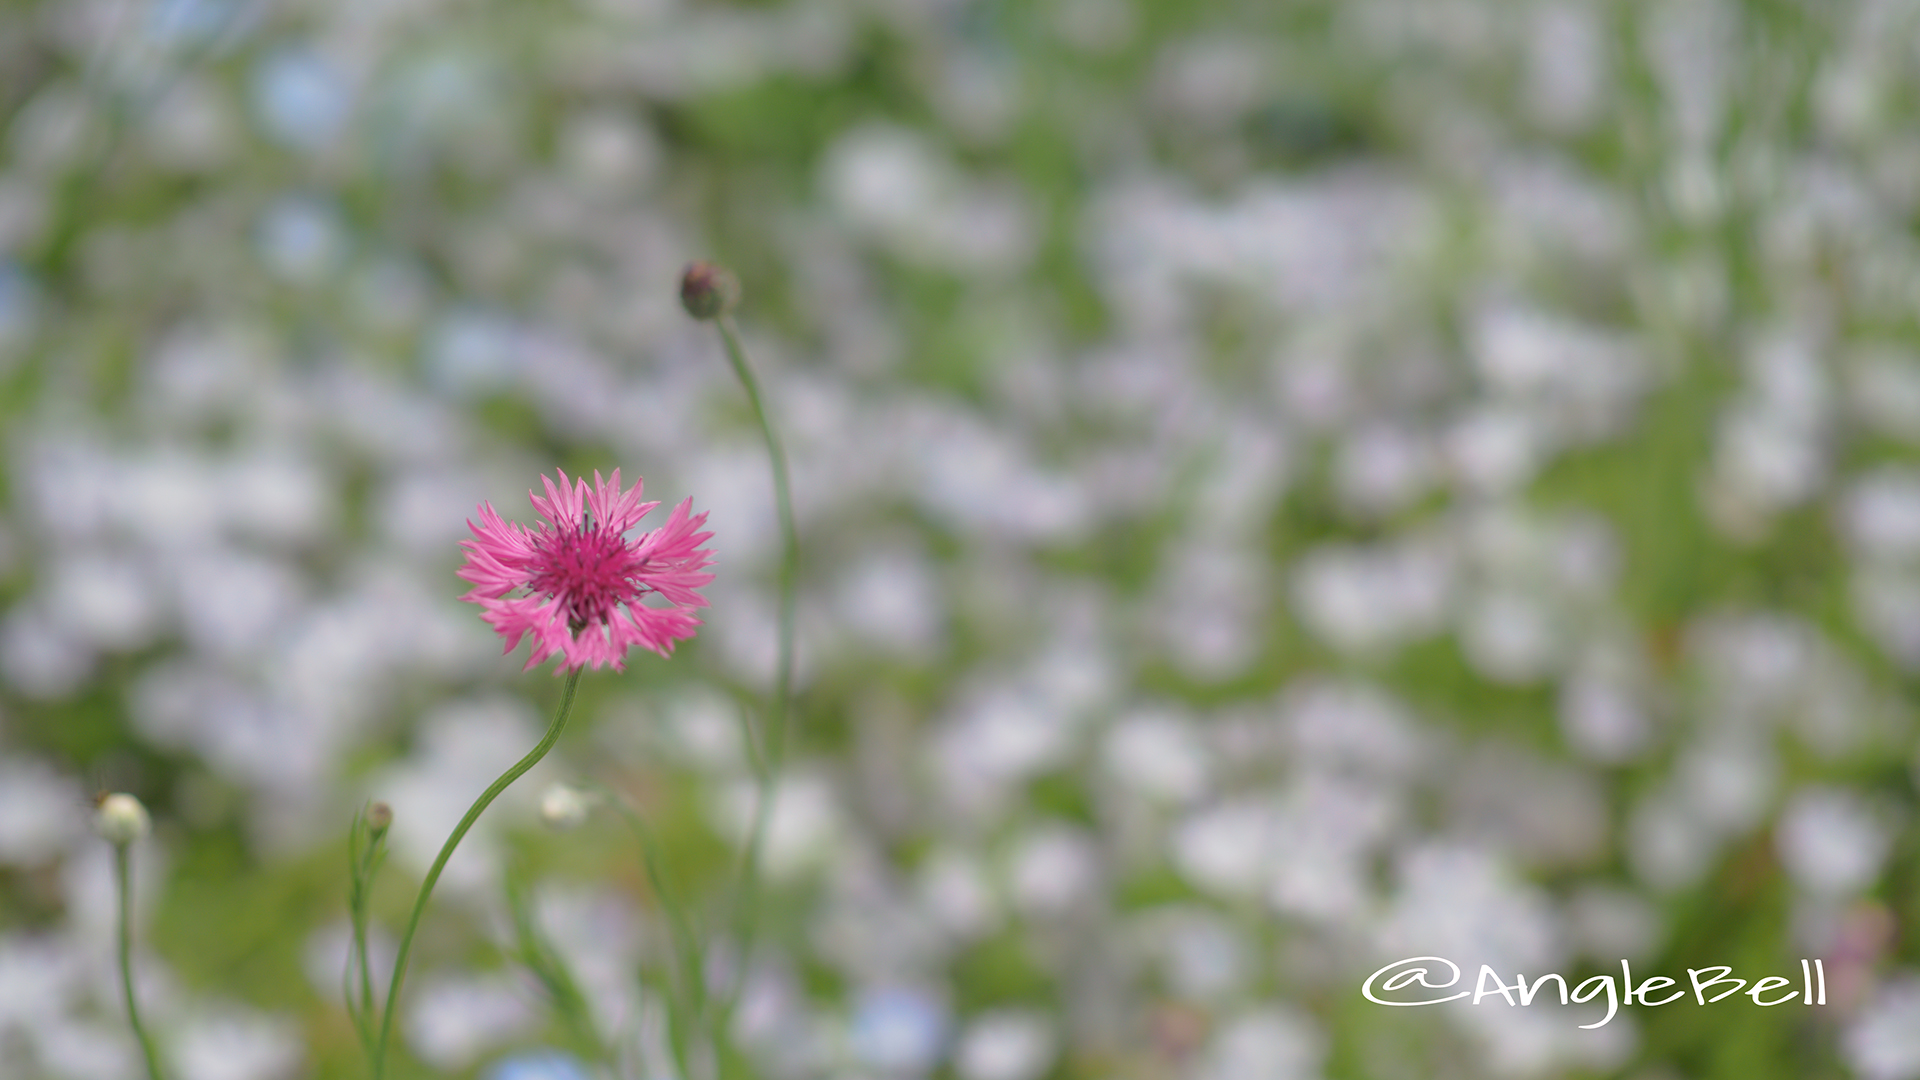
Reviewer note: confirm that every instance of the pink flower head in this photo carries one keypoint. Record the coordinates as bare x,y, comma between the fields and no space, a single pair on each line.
581,582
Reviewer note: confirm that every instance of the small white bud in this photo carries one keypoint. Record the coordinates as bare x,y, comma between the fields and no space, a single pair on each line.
121,820
563,807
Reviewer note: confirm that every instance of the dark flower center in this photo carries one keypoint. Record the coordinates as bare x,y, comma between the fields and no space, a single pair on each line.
590,570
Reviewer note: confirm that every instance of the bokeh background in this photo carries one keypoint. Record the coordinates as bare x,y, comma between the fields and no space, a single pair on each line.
1285,485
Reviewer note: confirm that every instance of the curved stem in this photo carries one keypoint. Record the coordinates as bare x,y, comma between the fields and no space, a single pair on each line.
124,881
772,748
446,851
789,544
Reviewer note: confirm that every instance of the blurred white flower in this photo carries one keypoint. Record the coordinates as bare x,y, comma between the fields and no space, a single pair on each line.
1052,869
234,604
893,184
237,1045
1555,368
171,497
1510,636
82,1048
1767,461
609,150
276,495
1541,810
104,598
804,827
1728,780
1212,596
41,811
325,955
1601,711
425,511
981,480
1492,450
1205,957
1268,1042
954,888
1160,754
700,727
1669,844
1880,514
1883,1043
192,125
1226,848
1006,1045
1365,600
452,1020
1568,64
38,657
1382,468
892,600
1462,901
1320,845
39,977
1831,841
999,737
1209,80
1355,727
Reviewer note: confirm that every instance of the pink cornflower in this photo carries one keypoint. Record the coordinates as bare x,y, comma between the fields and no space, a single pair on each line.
582,582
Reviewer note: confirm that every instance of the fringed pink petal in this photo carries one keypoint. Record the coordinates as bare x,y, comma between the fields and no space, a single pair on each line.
654,629
675,560
578,569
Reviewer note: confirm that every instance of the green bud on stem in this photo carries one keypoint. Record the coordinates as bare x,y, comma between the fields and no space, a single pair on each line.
708,291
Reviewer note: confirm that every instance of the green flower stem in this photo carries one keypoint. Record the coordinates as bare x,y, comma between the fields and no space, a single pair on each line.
366,851
446,852
535,951
775,739
123,882
771,750
688,971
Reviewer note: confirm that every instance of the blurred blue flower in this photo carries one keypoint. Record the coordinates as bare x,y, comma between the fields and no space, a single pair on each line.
301,238
898,1030
302,99
188,22
538,1065
19,304
472,351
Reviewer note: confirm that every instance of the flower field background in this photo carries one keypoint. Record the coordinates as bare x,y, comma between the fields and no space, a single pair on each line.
1283,486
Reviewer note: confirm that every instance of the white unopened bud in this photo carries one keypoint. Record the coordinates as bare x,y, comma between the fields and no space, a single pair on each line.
121,820
563,807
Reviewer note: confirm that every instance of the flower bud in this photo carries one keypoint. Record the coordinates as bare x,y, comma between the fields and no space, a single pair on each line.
563,807
379,818
121,820
708,291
